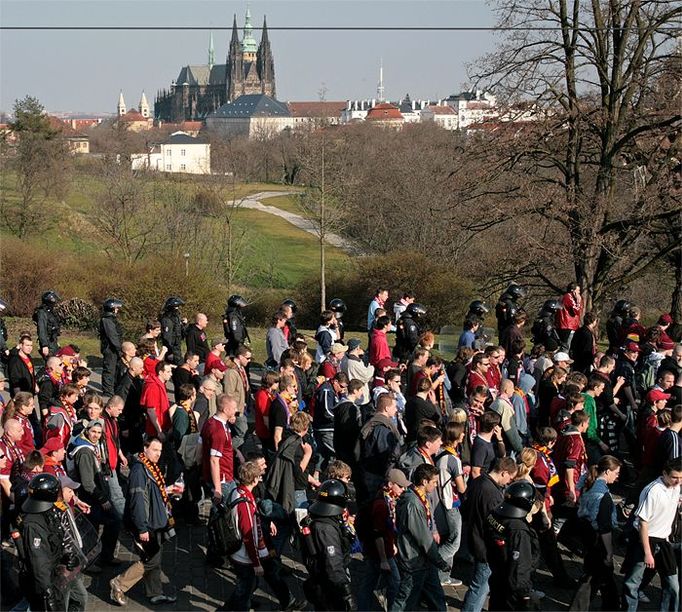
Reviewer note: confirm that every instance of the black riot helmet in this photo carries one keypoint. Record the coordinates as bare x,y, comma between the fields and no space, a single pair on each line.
478,308
332,499
516,291
50,298
291,304
111,304
172,303
236,301
622,307
415,310
518,500
338,307
43,492
552,305
3,305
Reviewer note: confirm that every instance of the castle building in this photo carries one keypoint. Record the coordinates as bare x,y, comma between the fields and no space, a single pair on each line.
202,89
134,120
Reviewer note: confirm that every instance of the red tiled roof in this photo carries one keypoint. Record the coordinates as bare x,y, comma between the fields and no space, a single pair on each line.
442,110
191,125
316,109
384,112
132,116
64,128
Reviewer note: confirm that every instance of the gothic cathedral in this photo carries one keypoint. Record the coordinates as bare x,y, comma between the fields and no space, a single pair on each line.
201,89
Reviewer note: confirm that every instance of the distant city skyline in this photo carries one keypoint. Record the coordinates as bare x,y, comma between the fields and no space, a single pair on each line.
84,70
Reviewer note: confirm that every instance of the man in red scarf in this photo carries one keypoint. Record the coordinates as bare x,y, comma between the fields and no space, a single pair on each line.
20,370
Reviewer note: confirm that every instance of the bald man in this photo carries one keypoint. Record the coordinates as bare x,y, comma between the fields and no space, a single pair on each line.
12,453
197,340
50,383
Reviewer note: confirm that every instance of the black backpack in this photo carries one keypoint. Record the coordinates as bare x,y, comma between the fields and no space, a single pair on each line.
224,538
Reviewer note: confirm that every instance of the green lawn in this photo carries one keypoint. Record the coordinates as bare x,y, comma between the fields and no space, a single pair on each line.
288,203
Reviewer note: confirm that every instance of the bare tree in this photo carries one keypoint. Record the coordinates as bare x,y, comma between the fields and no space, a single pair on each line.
588,172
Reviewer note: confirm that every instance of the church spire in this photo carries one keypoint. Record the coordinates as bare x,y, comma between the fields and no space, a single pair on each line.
121,108
144,106
264,40
211,52
249,42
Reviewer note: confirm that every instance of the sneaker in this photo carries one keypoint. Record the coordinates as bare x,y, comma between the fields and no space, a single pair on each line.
451,582
537,595
161,599
117,595
643,598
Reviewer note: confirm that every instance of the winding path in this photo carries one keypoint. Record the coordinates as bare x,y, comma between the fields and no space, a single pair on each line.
254,202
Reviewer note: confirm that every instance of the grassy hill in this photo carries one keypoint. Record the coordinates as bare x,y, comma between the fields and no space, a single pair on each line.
277,254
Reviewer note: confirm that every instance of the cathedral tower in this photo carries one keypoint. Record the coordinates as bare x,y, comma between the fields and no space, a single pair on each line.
121,108
144,106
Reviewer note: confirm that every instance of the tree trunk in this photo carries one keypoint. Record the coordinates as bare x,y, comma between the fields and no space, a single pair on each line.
323,277
675,331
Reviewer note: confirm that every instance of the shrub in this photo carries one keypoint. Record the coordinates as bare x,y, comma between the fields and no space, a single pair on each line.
444,295
78,314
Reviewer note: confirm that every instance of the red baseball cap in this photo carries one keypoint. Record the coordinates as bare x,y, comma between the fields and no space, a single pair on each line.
656,395
632,347
51,445
665,319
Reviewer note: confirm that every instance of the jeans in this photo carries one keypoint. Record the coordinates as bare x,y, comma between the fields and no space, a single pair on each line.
416,585
670,596
245,585
118,501
75,595
449,523
111,528
372,577
325,448
478,588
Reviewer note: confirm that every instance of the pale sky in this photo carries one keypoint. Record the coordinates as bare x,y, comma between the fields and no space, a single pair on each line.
83,71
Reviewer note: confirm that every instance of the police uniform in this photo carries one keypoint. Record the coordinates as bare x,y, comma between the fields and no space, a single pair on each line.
406,337
505,309
234,327
110,337
544,332
49,328
172,333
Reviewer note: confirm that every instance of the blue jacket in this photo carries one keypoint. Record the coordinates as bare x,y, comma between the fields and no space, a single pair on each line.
588,507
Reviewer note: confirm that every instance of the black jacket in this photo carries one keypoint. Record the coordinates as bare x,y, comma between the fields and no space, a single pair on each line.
110,333
172,333
482,497
197,342
19,376
234,326
347,424
48,327
582,350
416,409
332,550
48,391
513,551
406,337
43,539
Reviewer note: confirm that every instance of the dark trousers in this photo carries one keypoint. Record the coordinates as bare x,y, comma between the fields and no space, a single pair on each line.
111,528
246,581
109,361
419,585
597,574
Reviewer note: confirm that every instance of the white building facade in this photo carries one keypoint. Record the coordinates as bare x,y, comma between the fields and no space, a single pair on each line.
180,153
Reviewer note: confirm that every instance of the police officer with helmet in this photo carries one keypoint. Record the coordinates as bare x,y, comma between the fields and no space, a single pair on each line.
614,325
42,548
329,587
110,338
234,324
408,331
173,329
544,330
48,324
507,306
512,549
338,307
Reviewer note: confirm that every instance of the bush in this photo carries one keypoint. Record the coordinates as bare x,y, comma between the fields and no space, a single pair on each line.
264,304
78,314
444,295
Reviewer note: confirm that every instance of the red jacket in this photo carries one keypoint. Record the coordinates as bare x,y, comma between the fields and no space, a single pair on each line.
155,397
569,316
378,347
27,442
216,441
569,452
262,400
249,524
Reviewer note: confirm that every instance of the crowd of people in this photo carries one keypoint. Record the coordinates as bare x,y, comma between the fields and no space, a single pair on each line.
499,459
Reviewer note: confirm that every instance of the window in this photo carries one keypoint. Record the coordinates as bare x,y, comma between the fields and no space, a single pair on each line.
168,167
183,167
182,152
169,151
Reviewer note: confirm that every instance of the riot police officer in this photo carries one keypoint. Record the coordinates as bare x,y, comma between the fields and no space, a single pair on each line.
234,324
173,329
48,324
328,587
338,307
43,544
544,331
614,325
110,338
408,331
507,306
512,549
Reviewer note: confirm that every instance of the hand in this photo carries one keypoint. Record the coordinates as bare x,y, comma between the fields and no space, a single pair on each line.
649,561
273,530
570,497
608,560
604,447
81,505
466,470
217,495
44,351
436,537
258,570
161,436
385,566
183,320
144,536
123,459
620,380
307,449
314,483
106,506
498,431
